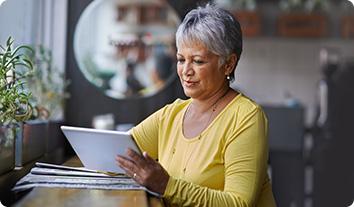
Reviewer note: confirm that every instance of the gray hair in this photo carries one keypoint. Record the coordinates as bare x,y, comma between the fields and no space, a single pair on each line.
216,28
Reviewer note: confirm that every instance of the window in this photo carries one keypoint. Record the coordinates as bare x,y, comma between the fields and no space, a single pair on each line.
36,22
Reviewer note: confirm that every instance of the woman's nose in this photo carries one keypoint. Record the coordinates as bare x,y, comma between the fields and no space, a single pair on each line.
187,69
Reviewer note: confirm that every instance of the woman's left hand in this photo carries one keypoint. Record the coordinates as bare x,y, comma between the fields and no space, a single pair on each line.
144,170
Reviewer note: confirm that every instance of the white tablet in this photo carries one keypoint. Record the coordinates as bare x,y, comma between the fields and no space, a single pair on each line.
97,148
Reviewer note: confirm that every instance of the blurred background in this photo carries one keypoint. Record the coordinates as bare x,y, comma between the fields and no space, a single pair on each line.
116,60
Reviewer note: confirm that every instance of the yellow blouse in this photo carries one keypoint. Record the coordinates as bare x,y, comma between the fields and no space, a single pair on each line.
226,165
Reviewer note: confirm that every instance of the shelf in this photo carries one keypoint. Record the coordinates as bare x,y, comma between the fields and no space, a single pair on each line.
273,22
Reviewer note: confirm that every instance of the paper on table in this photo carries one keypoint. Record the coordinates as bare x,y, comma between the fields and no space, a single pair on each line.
66,170
69,181
48,171
63,167
48,175
77,185
31,181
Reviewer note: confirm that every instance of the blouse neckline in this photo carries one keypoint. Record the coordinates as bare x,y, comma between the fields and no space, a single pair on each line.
196,138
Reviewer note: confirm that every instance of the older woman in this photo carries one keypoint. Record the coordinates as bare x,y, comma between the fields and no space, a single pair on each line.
212,148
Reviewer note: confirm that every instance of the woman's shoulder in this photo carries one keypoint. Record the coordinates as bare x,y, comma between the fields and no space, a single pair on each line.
246,103
178,103
174,107
243,105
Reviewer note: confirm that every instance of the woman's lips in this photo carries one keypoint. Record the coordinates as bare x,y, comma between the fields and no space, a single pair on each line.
189,83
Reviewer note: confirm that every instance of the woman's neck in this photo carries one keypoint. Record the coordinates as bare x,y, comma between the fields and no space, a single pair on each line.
204,105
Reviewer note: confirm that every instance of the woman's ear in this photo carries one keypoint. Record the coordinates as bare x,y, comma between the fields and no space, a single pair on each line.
230,64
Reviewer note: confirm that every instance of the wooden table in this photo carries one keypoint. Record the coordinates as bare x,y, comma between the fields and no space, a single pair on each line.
87,197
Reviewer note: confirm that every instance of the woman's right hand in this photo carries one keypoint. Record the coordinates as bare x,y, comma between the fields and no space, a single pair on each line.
144,170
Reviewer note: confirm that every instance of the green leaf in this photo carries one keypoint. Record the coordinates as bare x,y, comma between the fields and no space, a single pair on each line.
15,100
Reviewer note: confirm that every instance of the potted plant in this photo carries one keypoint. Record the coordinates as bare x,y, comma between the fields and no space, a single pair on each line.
301,18
246,13
47,85
347,20
15,104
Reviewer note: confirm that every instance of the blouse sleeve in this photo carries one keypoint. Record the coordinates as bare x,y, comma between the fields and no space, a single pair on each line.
245,156
145,134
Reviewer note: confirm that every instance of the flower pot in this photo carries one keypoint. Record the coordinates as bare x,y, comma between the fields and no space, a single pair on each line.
250,22
347,24
7,149
299,24
30,142
55,143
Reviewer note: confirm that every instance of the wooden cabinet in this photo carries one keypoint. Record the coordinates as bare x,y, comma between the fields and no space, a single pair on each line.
269,20
302,25
250,22
347,26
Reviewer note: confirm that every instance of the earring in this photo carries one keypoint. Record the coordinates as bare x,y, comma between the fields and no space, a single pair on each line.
228,77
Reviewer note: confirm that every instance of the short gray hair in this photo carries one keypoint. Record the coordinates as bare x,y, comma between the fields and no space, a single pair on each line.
216,28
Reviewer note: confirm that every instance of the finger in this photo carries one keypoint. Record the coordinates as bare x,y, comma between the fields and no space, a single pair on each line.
127,164
148,158
137,158
118,157
133,174
128,171
121,158
130,168
124,168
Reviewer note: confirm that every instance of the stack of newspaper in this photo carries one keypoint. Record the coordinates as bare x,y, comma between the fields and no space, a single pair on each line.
49,175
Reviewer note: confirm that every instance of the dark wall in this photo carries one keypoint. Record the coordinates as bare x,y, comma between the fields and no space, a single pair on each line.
87,101
333,153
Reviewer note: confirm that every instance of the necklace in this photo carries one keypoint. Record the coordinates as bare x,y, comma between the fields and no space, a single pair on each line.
213,107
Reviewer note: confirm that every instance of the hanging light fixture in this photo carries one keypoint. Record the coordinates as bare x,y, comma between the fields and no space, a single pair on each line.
2,1
351,1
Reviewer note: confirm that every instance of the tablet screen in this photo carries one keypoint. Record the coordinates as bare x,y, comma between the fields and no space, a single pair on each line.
97,148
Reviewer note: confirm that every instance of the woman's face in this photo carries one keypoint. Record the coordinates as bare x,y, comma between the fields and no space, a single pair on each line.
199,71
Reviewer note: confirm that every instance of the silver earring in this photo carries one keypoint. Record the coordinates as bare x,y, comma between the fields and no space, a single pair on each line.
228,77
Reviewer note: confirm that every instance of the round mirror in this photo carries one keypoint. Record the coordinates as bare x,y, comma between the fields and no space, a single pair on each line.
127,47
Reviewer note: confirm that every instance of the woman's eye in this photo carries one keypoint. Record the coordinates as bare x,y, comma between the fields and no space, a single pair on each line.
179,60
199,62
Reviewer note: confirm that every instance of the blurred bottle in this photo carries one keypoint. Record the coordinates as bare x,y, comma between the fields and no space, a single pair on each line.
290,101
105,121
329,63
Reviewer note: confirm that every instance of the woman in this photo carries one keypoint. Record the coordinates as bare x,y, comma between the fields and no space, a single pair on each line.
211,149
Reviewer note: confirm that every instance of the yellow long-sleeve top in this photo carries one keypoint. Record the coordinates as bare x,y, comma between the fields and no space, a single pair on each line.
224,166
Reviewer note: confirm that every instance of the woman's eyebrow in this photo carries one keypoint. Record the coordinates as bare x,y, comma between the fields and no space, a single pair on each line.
201,54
